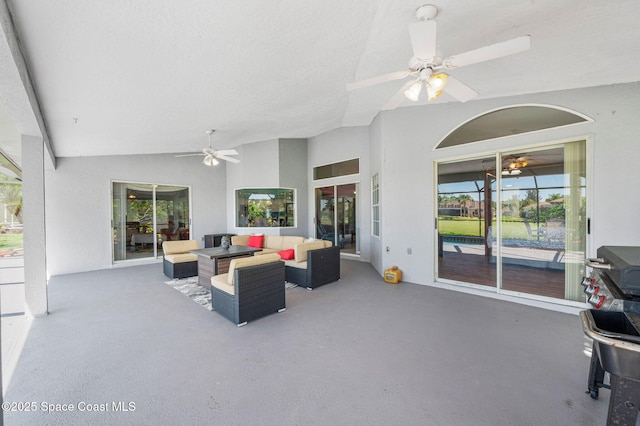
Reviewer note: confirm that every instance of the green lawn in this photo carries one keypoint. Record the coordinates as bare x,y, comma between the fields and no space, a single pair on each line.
475,228
10,241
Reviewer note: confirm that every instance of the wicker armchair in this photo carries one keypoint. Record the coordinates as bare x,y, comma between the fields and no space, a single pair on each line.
322,267
255,289
177,259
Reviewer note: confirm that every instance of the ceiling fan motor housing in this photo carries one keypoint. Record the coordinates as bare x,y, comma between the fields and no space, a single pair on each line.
426,12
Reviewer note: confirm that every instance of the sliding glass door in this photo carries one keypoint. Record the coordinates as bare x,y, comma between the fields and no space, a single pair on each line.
535,243
465,221
144,215
336,216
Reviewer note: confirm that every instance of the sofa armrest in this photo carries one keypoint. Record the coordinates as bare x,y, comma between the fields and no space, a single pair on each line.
323,265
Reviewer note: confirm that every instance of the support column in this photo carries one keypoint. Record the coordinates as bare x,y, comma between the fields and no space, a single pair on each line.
33,215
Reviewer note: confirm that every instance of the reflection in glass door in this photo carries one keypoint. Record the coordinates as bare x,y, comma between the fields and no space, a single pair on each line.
543,221
535,243
465,221
336,216
145,215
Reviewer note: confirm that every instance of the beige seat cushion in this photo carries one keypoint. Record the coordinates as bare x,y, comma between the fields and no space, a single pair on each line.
291,241
294,264
265,251
180,246
302,249
273,242
220,282
181,257
225,282
241,262
240,240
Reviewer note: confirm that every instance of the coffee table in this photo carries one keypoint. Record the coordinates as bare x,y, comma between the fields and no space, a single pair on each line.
215,260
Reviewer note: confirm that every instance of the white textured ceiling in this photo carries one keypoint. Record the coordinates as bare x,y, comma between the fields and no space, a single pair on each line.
150,76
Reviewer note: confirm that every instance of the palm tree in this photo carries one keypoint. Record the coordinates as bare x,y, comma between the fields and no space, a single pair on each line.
463,199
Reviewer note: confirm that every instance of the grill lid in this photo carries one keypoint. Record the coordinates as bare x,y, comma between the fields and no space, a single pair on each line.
625,267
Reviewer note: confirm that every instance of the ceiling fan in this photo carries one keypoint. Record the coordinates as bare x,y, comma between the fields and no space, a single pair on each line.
211,155
514,164
426,68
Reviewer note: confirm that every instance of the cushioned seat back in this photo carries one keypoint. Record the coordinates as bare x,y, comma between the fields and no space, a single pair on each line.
302,249
273,242
291,241
239,240
181,246
250,261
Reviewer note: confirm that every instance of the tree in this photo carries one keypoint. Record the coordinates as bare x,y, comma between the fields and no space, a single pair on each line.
11,197
463,199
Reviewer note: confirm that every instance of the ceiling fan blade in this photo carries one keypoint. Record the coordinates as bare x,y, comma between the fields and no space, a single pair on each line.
487,53
227,152
459,90
377,80
189,155
230,159
397,99
423,39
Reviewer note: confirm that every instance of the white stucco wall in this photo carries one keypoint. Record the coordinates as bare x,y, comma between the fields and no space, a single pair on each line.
276,163
78,203
258,168
340,145
409,135
398,145
293,174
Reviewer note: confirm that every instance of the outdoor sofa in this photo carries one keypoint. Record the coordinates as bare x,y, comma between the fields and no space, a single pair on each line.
308,263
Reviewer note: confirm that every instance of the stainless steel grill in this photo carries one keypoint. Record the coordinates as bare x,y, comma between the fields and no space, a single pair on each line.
613,289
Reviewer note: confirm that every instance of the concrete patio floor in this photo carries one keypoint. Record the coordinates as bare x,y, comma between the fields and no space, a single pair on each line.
121,347
13,323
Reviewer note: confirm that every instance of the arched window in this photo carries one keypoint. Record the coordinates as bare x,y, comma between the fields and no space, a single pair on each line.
508,121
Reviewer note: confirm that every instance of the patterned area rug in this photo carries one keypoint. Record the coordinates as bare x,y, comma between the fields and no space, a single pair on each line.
190,288
202,296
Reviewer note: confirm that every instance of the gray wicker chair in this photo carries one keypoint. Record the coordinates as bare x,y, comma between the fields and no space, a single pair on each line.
323,267
177,259
258,291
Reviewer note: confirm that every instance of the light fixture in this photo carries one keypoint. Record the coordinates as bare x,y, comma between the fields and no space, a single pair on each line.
438,81
209,160
518,164
435,86
434,83
511,172
413,92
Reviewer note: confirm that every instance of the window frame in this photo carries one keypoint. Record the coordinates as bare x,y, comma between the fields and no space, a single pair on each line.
290,208
375,205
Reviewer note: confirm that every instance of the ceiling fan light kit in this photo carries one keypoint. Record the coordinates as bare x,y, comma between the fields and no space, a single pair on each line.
413,92
508,172
426,67
211,156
